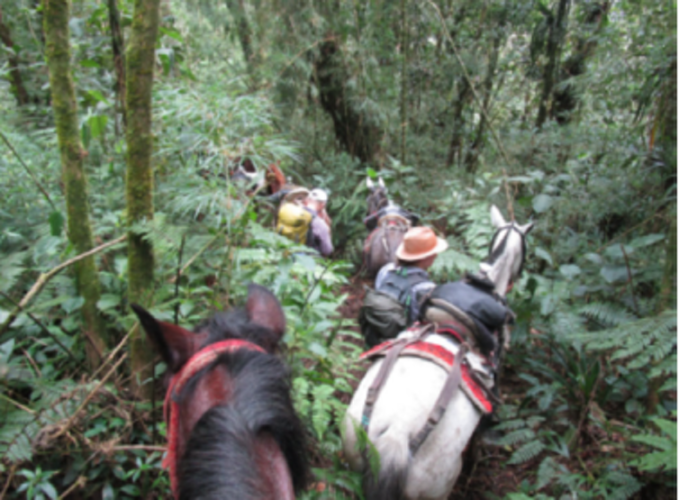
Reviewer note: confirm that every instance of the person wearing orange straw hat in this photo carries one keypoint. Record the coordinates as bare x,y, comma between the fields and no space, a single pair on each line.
408,280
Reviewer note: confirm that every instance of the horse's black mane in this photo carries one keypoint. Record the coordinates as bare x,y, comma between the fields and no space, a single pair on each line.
493,255
219,461
236,324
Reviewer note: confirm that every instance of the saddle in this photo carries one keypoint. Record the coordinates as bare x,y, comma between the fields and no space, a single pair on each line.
470,372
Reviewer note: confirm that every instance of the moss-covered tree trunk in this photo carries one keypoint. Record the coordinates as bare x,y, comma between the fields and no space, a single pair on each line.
140,60
58,55
118,48
666,147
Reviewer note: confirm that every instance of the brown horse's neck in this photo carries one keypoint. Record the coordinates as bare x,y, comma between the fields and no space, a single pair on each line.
273,469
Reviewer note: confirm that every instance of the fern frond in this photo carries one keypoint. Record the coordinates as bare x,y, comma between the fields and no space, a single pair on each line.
607,314
624,485
516,437
527,452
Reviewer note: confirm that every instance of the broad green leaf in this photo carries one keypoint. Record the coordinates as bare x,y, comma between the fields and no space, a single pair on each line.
570,271
72,303
172,33
544,255
97,96
614,274
56,221
542,203
97,125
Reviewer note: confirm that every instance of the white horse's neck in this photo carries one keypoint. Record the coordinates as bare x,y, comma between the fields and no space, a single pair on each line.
505,267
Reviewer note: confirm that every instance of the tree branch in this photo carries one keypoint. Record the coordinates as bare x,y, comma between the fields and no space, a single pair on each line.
44,278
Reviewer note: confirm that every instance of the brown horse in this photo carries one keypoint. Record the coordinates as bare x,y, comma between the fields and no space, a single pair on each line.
232,429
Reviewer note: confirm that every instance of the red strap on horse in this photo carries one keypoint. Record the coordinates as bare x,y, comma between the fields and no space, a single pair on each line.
198,361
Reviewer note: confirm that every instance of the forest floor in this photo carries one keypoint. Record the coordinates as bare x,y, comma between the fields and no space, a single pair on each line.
488,474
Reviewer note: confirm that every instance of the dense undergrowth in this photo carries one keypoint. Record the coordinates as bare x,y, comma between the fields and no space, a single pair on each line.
590,407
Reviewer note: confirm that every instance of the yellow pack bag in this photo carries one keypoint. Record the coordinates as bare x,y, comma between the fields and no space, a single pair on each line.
293,222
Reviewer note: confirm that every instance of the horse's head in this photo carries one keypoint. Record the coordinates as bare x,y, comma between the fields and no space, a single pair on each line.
378,195
202,377
506,253
261,322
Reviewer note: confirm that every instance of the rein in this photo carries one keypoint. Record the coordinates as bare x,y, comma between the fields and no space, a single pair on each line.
198,361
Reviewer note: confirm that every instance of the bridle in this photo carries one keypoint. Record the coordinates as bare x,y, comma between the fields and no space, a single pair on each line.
203,358
493,255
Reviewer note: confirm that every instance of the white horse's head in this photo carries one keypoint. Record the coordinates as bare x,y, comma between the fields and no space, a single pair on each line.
507,251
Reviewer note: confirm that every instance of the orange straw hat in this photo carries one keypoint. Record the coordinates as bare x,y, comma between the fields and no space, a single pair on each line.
419,243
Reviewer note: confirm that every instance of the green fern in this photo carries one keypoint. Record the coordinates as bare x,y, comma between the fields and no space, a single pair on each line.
641,342
527,452
607,314
666,458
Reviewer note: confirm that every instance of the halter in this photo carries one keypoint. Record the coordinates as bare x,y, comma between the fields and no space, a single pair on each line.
493,255
198,361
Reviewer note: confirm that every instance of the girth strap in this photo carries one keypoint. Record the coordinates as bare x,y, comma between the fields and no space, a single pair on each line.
447,393
385,369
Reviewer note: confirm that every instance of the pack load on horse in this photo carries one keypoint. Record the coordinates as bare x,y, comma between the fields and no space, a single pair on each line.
231,426
400,288
268,184
303,219
408,402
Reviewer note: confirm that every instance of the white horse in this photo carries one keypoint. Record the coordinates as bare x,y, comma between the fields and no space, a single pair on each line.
411,391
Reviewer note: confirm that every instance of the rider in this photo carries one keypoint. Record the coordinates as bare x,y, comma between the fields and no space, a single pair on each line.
318,237
408,279
321,197
373,219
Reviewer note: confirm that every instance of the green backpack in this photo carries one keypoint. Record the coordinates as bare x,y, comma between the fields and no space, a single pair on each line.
385,313
381,318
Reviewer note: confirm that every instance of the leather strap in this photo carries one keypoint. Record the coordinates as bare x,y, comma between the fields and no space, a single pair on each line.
447,393
385,369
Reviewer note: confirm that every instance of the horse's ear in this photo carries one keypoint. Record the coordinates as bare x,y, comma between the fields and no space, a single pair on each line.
264,309
496,217
369,182
381,182
525,229
174,344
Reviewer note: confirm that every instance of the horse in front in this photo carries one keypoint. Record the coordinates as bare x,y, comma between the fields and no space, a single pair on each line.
387,223
232,428
426,391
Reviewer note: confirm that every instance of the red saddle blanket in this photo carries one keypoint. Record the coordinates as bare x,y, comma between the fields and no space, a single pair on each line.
476,392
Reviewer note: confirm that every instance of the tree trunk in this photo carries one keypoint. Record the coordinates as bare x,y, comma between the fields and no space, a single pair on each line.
455,149
404,80
472,156
58,55
17,88
353,129
139,180
118,47
666,117
557,32
565,98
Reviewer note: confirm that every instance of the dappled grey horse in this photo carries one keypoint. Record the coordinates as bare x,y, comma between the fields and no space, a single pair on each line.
388,224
